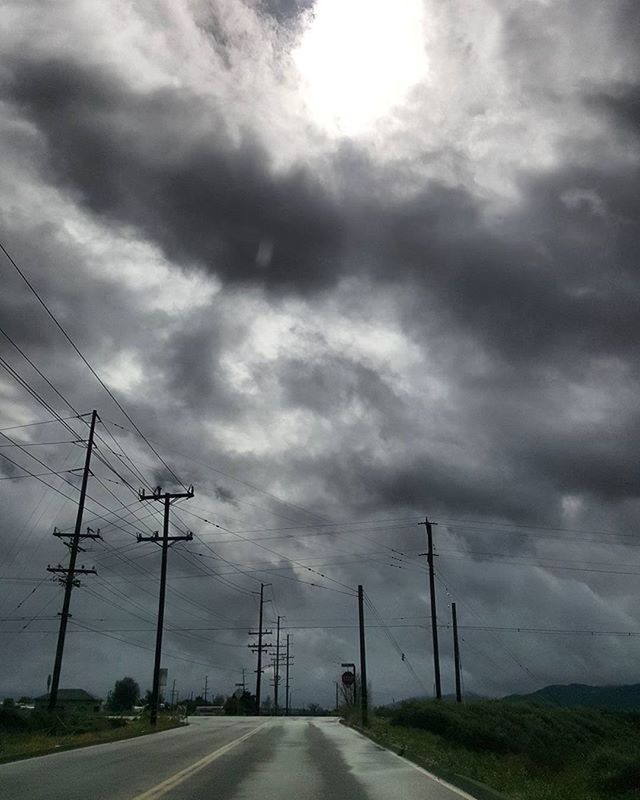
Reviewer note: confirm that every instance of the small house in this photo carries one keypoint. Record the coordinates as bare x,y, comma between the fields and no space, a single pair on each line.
71,700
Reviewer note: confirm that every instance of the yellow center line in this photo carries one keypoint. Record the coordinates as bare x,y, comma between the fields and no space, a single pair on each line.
175,780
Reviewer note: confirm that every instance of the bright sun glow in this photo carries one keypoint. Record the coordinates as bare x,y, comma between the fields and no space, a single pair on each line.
359,58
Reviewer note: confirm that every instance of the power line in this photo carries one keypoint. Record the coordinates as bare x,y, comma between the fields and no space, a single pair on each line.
45,444
516,661
273,552
86,362
173,591
188,556
73,486
562,567
25,384
134,471
403,656
166,653
587,633
37,475
33,424
172,629
525,530
233,478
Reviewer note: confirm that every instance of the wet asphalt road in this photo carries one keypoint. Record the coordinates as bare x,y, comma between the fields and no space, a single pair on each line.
228,758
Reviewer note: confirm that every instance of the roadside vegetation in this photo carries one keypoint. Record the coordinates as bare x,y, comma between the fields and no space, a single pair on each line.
26,733
524,751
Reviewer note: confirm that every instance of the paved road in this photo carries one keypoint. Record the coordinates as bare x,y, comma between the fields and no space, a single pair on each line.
228,758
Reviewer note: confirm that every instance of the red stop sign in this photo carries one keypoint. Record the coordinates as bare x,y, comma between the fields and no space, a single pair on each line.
348,678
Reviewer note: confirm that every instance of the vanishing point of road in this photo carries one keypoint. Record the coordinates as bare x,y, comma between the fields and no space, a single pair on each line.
228,758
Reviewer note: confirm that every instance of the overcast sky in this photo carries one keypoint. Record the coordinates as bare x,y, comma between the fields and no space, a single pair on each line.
346,264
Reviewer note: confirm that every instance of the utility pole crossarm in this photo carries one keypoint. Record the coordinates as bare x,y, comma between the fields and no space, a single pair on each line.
77,571
90,534
157,494
171,539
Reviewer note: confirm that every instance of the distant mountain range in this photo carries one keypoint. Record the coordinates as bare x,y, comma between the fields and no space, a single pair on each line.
579,695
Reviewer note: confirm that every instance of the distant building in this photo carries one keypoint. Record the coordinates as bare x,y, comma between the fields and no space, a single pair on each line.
71,700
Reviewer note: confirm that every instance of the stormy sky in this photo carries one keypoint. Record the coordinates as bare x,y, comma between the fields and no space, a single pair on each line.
345,264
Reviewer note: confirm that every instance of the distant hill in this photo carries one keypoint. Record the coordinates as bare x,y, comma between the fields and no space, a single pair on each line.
579,695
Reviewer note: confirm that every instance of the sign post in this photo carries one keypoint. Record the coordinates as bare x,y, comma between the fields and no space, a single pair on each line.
349,680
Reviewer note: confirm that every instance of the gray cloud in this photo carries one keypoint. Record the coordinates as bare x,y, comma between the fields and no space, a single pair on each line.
286,11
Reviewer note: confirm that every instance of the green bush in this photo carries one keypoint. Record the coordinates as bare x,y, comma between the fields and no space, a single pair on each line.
616,772
547,738
13,720
85,723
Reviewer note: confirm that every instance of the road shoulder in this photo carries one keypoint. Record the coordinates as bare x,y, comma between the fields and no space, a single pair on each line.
473,789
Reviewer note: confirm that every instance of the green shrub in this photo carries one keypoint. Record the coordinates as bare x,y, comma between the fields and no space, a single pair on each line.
617,772
546,738
12,720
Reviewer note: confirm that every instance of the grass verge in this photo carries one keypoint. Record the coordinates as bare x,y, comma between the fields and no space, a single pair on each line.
17,745
523,752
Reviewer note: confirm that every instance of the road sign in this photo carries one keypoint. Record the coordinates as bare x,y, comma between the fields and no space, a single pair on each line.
348,678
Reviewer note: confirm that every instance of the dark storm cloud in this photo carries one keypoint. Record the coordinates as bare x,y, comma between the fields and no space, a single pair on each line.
224,495
189,364
594,459
549,279
135,158
553,277
337,381
622,103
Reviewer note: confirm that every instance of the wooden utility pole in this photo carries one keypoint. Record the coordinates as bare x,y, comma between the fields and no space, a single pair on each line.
456,653
363,660
276,667
206,687
71,571
259,647
167,498
286,679
434,619
243,684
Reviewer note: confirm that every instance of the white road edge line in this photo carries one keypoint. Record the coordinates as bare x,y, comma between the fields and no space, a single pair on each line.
441,781
175,780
